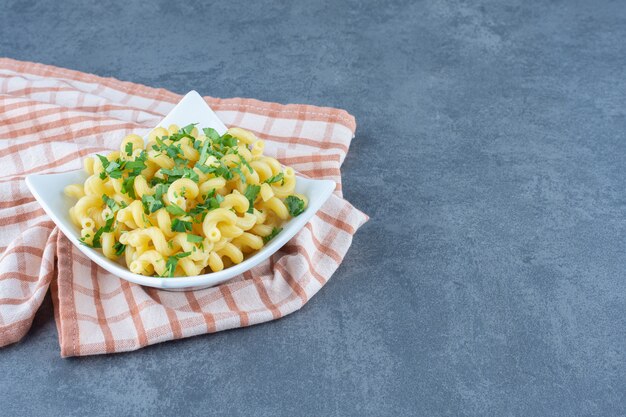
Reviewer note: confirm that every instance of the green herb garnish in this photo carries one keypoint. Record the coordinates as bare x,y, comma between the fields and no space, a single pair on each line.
172,261
237,170
244,162
211,133
112,169
151,203
181,226
295,205
211,202
128,187
112,204
175,210
275,178
180,172
204,154
96,243
119,248
275,231
194,238
188,129
251,193
219,171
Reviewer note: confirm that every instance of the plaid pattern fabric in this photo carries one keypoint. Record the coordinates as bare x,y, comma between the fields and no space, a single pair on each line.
51,118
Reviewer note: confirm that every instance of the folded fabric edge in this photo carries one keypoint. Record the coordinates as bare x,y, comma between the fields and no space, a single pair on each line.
45,70
64,313
14,332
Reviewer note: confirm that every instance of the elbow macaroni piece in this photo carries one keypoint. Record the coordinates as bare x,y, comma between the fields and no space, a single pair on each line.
185,203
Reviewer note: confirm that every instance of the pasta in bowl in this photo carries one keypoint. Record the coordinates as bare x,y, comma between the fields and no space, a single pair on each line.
186,203
95,213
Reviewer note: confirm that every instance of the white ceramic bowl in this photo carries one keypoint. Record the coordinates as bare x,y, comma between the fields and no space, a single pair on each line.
48,190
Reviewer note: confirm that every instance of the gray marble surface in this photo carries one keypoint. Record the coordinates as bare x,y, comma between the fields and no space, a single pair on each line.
490,155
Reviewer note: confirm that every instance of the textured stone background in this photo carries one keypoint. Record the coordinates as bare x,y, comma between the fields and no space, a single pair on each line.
490,156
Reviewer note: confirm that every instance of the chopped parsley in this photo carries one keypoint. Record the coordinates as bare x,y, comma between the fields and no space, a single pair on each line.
251,193
151,203
238,171
96,243
159,190
194,238
275,178
244,162
181,226
175,210
226,141
129,148
128,187
219,171
211,133
180,172
175,152
211,202
112,204
155,202
191,174
135,167
172,261
117,168
295,205
119,248
184,132
188,129
156,180
112,169
105,163
204,152
275,231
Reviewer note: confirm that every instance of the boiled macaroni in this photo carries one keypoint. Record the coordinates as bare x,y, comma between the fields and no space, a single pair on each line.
185,204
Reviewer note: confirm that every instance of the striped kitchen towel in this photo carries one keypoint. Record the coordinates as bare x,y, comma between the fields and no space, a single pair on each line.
51,118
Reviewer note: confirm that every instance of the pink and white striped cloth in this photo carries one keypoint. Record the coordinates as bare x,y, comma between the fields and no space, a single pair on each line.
51,118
